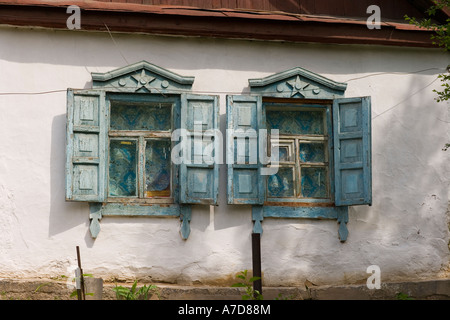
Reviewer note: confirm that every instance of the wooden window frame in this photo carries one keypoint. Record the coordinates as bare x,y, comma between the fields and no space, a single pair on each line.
269,104
141,136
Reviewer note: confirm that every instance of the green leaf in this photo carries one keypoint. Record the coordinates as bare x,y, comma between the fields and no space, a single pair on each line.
258,295
403,296
133,288
239,284
252,279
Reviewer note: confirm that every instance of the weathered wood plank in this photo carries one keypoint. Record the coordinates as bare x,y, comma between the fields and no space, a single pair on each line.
120,209
352,153
199,175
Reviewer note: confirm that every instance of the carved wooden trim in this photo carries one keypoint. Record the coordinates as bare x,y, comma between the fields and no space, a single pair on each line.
297,83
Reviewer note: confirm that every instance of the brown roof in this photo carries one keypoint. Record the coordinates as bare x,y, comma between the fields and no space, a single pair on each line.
391,9
310,21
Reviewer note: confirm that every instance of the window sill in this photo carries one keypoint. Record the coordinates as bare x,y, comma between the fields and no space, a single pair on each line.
311,212
137,209
306,212
138,201
99,210
325,203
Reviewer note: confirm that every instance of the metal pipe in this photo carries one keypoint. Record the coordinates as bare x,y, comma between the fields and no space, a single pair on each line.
256,258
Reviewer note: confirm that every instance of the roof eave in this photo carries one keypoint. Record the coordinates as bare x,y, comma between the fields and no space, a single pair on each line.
184,21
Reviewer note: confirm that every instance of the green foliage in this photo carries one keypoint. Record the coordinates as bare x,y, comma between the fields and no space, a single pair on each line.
74,292
247,283
41,286
281,297
441,37
443,95
403,296
123,293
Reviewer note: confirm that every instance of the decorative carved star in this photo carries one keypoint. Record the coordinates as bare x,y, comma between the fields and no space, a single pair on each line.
297,86
142,80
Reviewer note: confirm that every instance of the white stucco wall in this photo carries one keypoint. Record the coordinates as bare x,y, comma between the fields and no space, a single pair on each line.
405,232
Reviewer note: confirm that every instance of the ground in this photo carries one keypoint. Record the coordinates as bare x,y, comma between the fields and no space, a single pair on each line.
51,289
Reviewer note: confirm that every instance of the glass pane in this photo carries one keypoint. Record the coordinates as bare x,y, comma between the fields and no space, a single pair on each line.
314,182
281,184
157,168
296,122
155,117
122,168
312,152
283,154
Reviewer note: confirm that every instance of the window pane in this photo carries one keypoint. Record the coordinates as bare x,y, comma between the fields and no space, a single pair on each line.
157,168
296,122
281,184
284,154
286,149
122,168
155,117
314,182
312,152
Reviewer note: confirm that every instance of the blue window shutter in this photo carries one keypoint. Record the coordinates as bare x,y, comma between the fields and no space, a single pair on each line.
352,151
86,146
199,171
245,184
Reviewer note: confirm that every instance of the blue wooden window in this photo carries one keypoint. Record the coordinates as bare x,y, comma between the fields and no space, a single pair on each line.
140,166
304,148
120,144
131,157
324,152
324,149
140,148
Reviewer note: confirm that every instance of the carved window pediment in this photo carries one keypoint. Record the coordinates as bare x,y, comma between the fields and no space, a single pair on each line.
142,77
297,83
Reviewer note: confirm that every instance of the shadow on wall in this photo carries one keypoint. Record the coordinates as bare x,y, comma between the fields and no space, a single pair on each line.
63,215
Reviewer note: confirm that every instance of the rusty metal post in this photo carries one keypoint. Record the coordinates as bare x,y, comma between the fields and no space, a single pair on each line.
80,292
256,258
